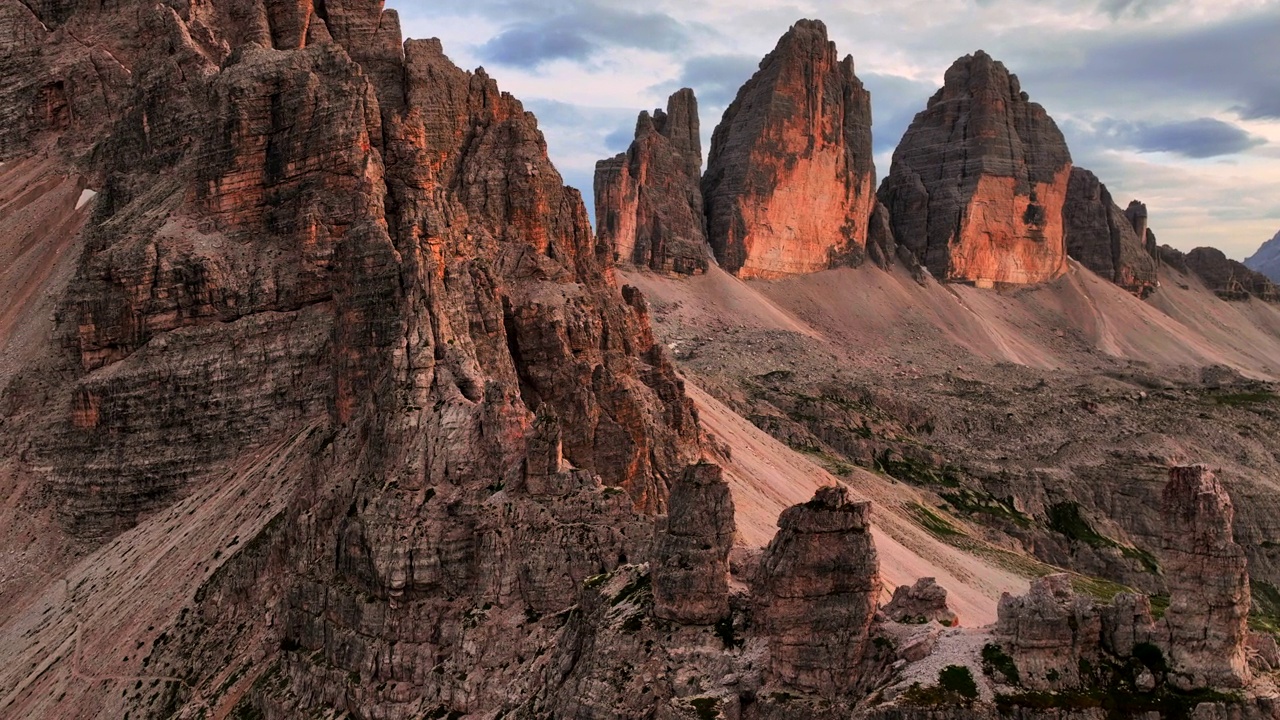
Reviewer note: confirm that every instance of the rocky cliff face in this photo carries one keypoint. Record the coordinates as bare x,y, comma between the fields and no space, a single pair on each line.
1230,279
978,183
343,388
789,187
1267,259
1208,613
305,226
691,561
1136,213
648,200
1105,239
818,589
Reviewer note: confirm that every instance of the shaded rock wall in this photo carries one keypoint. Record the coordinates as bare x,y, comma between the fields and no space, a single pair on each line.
648,201
789,187
1105,239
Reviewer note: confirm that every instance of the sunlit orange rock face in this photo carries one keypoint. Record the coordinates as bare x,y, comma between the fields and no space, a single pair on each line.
790,181
978,182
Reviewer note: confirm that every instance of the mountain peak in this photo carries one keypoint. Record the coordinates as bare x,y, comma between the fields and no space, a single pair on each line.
1267,259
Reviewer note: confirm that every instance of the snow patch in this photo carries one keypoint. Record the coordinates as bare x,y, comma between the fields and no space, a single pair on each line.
85,196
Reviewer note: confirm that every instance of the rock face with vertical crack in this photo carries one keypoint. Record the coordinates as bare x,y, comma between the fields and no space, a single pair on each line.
978,183
818,587
790,182
648,201
1208,613
1106,239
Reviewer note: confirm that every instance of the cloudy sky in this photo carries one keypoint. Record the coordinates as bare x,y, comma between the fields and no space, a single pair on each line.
1174,102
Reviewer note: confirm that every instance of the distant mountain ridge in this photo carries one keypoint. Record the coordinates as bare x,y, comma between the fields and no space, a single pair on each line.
1267,259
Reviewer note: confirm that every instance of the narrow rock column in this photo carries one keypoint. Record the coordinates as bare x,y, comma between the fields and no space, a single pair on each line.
1207,619
817,591
691,564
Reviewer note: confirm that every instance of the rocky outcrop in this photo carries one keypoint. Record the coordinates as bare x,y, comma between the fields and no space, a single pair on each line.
55,87
307,231
1047,632
1267,259
882,249
1230,279
648,200
790,181
1105,239
926,601
978,183
1127,623
691,559
1136,213
817,591
1209,601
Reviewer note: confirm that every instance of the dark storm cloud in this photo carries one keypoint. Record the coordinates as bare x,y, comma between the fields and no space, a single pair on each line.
1232,64
619,140
581,31
528,45
715,79
894,103
1198,138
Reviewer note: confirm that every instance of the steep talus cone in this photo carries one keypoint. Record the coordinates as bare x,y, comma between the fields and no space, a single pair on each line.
1105,239
790,182
977,185
648,201
1209,598
817,590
